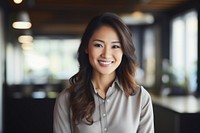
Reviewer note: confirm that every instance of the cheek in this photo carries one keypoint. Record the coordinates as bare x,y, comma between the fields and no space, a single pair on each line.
92,54
120,58
119,55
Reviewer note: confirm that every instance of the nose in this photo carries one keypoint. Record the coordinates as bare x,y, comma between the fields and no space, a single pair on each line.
106,53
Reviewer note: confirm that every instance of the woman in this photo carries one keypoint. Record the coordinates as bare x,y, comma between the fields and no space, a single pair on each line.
103,96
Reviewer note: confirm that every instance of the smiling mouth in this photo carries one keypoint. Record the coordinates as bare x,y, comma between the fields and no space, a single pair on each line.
106,62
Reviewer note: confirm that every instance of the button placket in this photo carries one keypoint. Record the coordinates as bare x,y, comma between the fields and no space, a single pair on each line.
108,100
103,114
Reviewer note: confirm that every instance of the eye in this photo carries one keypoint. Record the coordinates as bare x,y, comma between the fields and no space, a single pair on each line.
98,45
116,46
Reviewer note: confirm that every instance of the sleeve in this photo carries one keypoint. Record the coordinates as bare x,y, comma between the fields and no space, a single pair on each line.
61,116
147,117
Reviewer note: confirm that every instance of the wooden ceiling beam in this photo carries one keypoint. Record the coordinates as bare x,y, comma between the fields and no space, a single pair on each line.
71,16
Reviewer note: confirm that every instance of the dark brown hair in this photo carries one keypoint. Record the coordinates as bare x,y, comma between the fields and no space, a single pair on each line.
81,93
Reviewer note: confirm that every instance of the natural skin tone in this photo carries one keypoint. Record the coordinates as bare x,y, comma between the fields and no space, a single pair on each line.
105,55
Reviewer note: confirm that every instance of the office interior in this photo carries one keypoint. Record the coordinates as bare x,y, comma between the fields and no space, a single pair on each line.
37,60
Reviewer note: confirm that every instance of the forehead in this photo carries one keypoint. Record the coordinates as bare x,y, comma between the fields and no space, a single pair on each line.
105,31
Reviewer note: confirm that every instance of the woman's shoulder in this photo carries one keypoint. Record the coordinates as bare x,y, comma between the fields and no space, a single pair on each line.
63,96
143,93
145,97
141,90
62,107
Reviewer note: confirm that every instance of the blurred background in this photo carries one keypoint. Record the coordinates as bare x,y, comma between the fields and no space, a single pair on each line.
38,44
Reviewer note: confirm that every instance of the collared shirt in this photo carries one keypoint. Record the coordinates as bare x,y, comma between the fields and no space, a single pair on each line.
117,113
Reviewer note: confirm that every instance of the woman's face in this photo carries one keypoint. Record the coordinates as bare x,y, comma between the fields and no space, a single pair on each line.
104,51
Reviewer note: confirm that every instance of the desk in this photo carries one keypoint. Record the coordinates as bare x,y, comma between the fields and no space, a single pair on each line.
176,114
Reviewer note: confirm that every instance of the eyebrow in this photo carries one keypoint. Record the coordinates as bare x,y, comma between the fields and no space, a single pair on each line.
116,42
98,40
103,41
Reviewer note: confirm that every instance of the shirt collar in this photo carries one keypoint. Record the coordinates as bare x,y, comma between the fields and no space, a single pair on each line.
95,90
116,84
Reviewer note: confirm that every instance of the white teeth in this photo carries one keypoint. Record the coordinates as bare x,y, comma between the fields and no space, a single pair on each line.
105,62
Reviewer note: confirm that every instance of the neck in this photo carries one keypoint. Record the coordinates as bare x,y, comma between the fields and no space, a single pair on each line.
103,82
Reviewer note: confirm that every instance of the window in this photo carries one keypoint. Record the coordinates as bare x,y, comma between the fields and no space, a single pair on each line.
46,61
149,57
184,50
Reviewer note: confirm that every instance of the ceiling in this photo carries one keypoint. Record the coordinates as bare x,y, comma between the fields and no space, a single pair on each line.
69,17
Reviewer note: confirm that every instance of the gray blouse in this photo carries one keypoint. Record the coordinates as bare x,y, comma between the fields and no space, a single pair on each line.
115,114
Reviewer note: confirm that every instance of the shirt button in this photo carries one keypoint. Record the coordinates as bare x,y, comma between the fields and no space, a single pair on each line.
103,101
105,129
104,115
108,100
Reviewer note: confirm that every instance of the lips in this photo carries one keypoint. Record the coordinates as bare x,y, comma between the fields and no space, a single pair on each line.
105,62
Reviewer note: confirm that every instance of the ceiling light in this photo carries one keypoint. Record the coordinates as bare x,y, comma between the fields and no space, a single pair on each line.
25,39
22,21
21,25
17,1
137,14
27,46
137,18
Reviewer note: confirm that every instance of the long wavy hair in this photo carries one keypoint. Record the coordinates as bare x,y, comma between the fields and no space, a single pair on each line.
81,90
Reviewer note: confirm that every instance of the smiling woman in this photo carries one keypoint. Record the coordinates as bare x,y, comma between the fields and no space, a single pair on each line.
105,55
103,92
104,51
